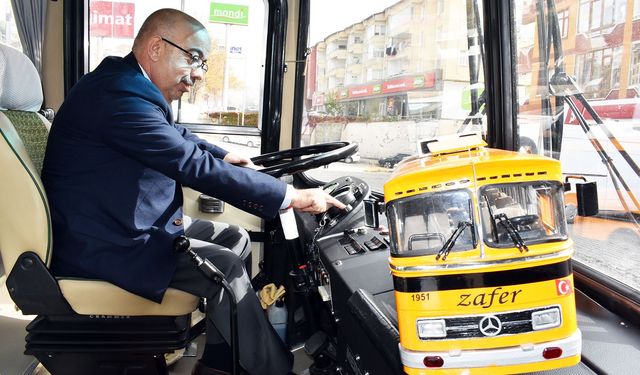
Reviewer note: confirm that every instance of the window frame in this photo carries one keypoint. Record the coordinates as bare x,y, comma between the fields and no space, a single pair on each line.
76,64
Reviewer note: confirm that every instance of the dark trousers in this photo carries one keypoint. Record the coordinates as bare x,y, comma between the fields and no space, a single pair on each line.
261,350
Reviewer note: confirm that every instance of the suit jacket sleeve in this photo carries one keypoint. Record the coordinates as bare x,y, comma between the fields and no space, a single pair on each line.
216,151
138,128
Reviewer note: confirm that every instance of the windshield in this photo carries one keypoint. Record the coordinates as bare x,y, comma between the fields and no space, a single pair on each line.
385,74
533,211
423,223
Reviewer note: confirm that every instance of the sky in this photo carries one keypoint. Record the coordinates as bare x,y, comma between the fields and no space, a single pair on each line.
329,16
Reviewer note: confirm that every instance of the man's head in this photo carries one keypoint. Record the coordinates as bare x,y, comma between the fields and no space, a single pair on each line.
171,47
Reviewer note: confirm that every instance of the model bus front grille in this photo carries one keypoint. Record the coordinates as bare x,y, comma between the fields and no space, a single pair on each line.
467,327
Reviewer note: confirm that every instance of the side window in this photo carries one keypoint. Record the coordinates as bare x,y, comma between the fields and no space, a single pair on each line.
579,101
8,28
226,103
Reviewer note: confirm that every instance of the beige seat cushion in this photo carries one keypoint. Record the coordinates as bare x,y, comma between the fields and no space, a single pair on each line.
94,297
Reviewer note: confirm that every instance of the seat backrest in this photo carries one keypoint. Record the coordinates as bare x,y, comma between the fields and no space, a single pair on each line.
25,223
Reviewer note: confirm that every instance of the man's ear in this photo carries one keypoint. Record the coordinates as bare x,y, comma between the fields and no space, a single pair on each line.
155,48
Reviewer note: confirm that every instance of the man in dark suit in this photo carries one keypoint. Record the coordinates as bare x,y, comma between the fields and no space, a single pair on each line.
113,171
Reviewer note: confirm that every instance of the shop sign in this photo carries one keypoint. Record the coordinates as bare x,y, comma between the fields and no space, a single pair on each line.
360,91
229,13
111,19
397,85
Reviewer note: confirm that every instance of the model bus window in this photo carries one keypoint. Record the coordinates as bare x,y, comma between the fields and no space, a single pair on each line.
533,211
596,50
424,223
384,74
230,92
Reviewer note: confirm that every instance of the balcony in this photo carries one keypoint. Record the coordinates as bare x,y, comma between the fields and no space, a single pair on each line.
401,30
374,62
355,48
338,54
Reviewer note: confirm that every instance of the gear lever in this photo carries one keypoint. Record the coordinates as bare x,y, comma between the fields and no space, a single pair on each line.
182,245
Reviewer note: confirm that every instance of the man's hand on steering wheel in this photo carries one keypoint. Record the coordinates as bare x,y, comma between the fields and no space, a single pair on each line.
239,160
315,201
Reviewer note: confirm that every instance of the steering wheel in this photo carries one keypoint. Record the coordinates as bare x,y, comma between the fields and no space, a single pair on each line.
524,220
282,162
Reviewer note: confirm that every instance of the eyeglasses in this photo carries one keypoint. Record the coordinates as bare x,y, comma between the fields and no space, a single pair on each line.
196,60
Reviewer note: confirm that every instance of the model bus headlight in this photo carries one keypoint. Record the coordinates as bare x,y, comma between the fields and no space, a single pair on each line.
546,319
431,328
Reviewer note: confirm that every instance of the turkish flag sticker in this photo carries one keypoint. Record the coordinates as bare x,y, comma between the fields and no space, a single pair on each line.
563,287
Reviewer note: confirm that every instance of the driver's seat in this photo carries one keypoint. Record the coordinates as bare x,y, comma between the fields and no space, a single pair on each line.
83,326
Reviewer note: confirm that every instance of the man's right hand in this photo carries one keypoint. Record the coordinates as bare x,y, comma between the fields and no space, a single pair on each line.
315,201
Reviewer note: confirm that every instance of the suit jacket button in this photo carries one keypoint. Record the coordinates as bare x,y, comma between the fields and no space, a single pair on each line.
177,222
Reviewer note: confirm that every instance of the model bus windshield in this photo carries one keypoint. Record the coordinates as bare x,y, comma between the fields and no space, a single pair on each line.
425,222
532,212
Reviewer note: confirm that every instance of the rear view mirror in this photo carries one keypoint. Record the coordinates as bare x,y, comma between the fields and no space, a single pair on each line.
586,195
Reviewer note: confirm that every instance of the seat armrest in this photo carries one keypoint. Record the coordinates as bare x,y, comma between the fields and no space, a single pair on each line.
33,289
378,327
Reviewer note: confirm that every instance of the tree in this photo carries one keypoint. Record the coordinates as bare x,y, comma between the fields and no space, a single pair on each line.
214,78
332,105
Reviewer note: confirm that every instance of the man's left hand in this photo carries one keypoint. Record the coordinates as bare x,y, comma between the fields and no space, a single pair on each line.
239,160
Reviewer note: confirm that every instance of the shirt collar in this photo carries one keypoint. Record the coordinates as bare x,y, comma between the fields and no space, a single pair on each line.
144,73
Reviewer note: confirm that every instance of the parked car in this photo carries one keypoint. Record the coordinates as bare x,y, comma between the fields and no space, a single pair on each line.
391,161
352,159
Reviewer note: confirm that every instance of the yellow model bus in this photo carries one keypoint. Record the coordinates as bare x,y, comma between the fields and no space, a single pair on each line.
481,261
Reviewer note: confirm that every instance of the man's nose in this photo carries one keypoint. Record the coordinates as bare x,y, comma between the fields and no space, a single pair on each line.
197,73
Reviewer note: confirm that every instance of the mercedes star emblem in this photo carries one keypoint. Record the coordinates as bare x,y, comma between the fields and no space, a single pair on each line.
490,325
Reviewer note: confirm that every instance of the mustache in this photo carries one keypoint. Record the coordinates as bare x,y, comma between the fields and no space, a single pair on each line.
187,81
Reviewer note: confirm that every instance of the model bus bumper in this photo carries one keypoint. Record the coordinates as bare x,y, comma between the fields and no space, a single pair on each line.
517,355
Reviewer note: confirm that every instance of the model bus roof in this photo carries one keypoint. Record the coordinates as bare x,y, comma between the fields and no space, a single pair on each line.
456,170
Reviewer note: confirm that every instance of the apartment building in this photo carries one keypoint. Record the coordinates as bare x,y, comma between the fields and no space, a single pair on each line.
600,46
410,60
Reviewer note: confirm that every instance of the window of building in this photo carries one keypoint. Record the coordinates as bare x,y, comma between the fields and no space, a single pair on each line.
463,58
375,51
8,29
598,71
374,74
563,23
600,14
634,72
230,93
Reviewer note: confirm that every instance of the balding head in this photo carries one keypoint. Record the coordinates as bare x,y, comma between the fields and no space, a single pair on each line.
171,47
166,23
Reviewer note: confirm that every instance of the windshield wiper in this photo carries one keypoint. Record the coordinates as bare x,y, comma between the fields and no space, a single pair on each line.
512,232
448,245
